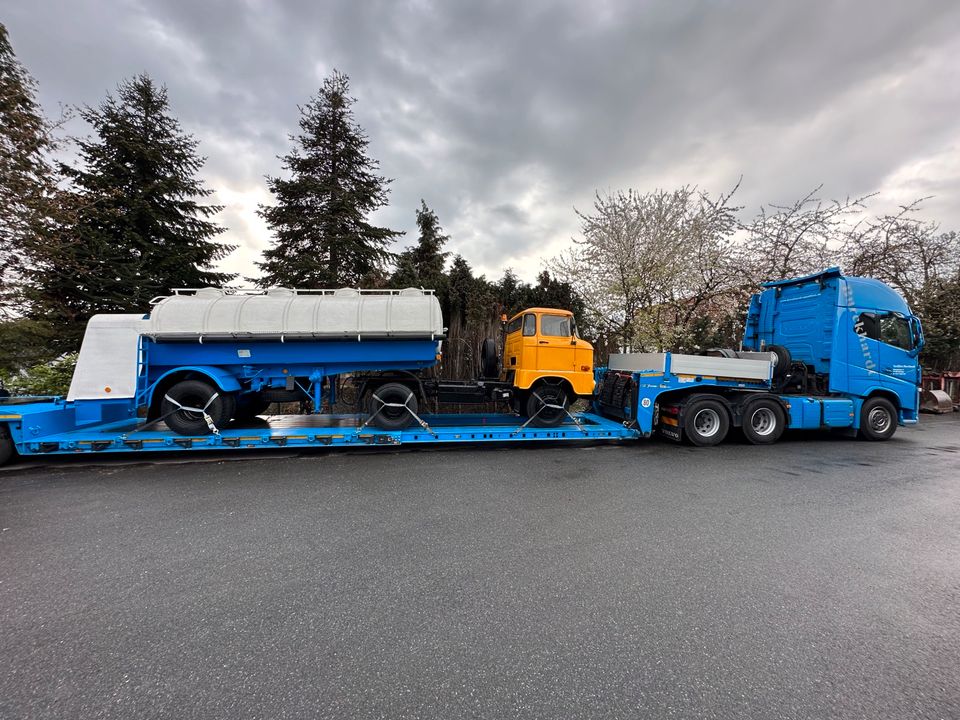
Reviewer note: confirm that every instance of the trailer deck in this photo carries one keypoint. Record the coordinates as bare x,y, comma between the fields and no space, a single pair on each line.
319,431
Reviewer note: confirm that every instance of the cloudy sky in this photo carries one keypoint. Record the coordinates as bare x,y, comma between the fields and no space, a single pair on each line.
504,116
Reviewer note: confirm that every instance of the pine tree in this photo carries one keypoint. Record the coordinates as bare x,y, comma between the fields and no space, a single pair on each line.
139,227
322,235
27,178
422,265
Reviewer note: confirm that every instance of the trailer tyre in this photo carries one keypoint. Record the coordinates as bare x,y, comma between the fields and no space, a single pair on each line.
764,421
7,450
540,398
198,395
382,405
706,422
878,419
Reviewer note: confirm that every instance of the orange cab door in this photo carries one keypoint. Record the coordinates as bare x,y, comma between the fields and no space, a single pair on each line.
555,349
520,344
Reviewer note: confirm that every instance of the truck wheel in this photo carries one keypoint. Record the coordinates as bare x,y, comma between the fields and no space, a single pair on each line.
541,396
764,421
878,419
7,449
381,404
706,422
196,394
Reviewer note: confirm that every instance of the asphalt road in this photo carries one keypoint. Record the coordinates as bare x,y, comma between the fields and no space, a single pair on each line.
818,578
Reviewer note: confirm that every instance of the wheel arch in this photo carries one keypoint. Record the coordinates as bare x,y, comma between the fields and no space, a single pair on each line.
219,377
555,380
882,392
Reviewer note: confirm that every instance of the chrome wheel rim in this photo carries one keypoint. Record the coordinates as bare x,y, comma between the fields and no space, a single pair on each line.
879,420
707,422
763,421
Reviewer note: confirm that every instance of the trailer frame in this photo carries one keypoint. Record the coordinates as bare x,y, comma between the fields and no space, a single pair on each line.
43,426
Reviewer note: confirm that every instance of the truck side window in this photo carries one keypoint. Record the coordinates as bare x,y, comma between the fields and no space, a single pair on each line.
514,325
529,325
895,330
867,325
555,325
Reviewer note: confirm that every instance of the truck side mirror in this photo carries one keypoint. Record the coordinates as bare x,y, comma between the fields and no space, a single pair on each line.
916,336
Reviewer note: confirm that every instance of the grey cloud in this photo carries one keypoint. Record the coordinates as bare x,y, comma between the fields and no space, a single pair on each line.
503,116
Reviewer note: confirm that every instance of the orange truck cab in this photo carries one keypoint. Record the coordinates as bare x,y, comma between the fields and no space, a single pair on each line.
545,361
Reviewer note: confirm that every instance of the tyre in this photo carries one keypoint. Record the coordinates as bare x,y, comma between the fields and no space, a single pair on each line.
627,409
251,405
538,402
784,358
196,394
764,421
383,405
7,449
706,422
720,352
489,360
878,419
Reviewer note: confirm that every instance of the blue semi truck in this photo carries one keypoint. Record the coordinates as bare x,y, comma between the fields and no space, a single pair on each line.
822,351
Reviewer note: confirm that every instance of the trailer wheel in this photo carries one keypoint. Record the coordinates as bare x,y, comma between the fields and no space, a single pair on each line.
198,396
878,419
392,406
706,422
538,401
764,421
7,449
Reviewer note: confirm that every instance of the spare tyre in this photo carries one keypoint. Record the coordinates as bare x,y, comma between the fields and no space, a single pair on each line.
489,359
783,360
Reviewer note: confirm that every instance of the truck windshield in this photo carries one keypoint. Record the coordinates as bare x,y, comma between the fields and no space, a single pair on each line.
555,325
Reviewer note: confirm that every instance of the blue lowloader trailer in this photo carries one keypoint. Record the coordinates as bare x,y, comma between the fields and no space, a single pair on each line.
824,351
199,370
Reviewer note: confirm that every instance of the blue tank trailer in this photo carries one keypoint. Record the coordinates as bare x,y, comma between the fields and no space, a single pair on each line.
822,351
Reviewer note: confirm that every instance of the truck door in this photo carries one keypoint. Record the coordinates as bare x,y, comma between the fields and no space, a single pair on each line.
897,362
886,341
555,350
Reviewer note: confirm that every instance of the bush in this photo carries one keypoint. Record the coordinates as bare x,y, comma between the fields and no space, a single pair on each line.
49,378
